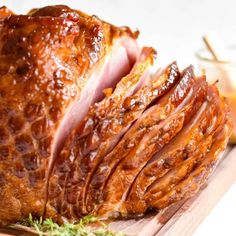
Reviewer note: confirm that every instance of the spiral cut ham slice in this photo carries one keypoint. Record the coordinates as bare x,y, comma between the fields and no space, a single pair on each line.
108,120
134,105
199,172
149,118
156,137
178,172
179,149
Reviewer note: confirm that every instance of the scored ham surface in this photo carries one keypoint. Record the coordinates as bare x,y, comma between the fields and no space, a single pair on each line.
86,128
54,63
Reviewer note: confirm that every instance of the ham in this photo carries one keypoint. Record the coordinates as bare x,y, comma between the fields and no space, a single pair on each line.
87,128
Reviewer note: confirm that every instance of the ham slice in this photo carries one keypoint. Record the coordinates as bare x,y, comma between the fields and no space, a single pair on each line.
134,106
156,137
200,172
164,107
179,149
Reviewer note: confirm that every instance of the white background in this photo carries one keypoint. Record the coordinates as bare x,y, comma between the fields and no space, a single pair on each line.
174,28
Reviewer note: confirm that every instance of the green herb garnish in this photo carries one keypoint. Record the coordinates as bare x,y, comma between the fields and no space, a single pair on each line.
47,227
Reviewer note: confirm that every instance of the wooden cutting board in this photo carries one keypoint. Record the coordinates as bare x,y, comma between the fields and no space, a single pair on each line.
182,218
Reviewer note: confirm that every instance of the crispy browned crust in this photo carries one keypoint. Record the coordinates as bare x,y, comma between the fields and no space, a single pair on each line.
32,100
64,11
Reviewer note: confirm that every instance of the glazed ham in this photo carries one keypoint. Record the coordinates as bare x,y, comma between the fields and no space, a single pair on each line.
54,63
86,128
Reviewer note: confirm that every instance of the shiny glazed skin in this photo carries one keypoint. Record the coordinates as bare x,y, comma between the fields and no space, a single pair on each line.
45,60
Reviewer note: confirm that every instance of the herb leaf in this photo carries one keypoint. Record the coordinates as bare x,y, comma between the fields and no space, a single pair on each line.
47,227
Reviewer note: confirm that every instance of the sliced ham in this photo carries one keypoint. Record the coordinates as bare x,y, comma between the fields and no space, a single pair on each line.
155,138
95,136
86,128
179,149
199,174
164,107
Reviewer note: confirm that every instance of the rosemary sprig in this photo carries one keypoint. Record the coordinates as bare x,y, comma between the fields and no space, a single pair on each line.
49,228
